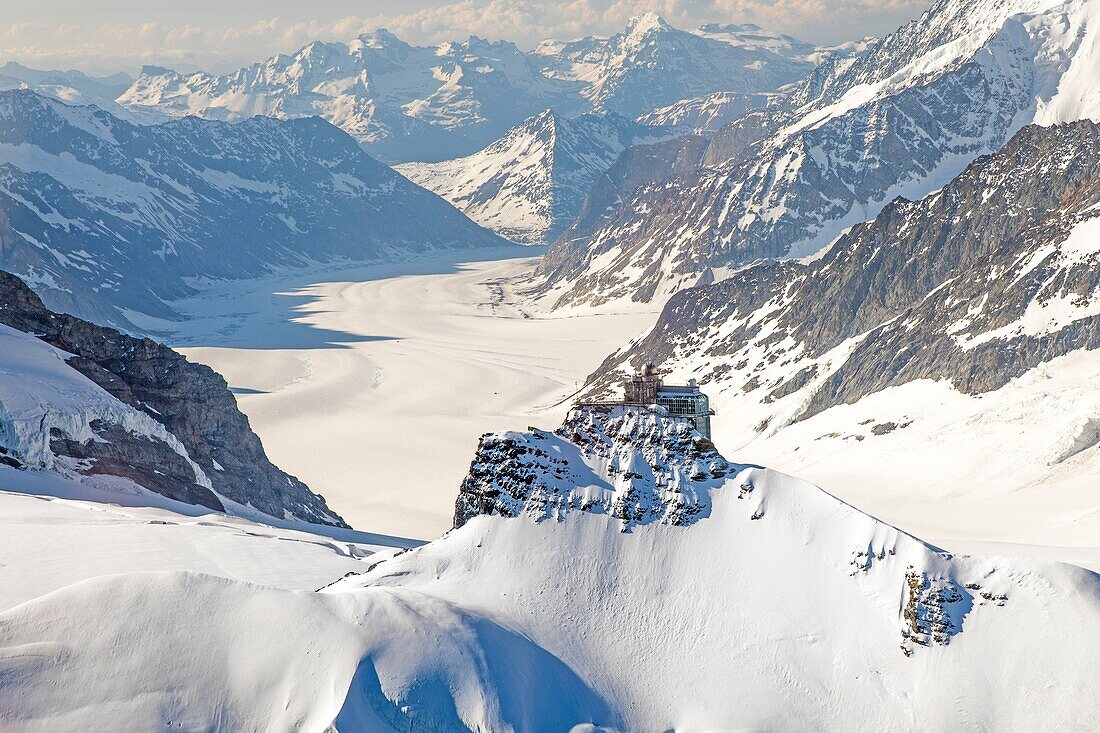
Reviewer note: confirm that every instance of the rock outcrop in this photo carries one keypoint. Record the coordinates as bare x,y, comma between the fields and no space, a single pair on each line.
652,468
191,401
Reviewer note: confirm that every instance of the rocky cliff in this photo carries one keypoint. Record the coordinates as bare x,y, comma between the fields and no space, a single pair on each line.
655,468
177,431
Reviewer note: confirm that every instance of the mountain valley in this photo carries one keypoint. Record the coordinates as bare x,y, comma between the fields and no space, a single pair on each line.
659,380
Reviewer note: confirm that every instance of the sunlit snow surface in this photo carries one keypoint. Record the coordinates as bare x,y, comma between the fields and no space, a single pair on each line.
352,376
784,609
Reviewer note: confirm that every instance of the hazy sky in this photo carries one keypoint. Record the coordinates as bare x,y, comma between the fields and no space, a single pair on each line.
101,35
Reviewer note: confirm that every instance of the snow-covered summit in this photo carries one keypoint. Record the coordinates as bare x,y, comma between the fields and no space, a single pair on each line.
530,184
652,64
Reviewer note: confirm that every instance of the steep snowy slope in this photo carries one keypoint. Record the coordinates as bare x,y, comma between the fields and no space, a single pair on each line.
410,103
617,574
903,118
91,404
55,532
529,185
102,216
705,115
969,318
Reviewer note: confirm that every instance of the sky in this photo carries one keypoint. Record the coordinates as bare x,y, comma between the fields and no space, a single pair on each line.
104,36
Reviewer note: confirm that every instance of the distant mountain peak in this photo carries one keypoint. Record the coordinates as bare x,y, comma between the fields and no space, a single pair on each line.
530,183
152,70
413,103
647,23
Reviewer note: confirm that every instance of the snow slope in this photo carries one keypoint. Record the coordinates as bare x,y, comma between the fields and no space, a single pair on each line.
57,532
529,185
705,115
566,615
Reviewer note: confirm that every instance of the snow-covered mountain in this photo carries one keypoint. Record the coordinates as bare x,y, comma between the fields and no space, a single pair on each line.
102,216
411,103
651,65
951,342
705,115
903,118
130,416
590,562
529,185
401,102
73,87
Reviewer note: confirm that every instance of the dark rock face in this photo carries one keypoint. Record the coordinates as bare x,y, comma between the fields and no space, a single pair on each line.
191,400
935,289
147,462
657,469
934,610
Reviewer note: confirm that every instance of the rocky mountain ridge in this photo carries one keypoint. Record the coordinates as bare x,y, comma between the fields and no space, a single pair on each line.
977,283
144,413
901,119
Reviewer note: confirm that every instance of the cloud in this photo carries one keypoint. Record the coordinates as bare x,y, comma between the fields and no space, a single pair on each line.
204,43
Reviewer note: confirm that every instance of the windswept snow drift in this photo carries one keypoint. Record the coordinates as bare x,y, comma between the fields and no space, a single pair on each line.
778,608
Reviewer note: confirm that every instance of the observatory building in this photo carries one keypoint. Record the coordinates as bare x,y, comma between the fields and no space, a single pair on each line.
648,389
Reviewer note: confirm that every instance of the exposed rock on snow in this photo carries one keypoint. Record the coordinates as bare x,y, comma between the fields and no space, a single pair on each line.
652,468
82,399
